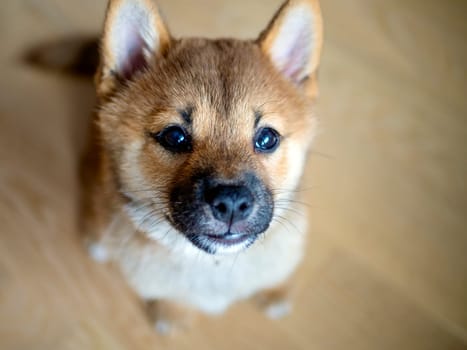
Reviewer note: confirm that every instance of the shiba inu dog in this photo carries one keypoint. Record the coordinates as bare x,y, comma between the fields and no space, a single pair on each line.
196,151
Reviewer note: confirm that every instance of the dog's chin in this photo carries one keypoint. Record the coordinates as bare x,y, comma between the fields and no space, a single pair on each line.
222,245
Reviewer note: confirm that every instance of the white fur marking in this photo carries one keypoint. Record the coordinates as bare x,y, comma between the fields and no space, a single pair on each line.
278,310
163,327
98,252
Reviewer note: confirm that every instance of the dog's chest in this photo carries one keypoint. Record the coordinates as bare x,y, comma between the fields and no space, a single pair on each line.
211,283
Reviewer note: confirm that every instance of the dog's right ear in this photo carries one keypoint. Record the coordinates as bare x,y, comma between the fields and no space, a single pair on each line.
134,35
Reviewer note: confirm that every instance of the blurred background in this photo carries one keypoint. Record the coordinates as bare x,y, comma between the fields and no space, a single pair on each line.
386,186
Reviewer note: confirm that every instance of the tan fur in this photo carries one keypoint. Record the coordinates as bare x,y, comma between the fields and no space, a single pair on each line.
224,82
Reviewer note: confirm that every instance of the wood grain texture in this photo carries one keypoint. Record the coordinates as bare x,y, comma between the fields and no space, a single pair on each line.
386,265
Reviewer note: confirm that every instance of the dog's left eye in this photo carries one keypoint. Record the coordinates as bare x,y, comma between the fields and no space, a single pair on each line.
174,139
266,140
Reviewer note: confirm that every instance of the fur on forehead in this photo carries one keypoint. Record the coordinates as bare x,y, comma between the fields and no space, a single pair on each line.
223,75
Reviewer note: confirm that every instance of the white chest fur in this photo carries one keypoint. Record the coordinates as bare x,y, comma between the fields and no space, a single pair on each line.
206,282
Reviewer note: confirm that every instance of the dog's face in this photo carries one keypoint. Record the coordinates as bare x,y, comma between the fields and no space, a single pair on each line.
207,138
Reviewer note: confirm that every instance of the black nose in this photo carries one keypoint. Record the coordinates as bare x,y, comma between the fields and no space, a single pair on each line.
230,203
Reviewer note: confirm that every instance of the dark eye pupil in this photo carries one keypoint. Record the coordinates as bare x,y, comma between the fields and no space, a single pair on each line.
174,139
267,140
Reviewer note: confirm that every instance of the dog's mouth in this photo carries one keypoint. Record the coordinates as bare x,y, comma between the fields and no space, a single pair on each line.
227,243
229,238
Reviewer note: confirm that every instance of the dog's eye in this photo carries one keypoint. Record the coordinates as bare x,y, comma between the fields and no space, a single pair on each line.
175,139
266,140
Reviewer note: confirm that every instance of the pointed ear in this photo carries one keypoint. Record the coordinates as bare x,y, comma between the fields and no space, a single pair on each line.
293,39
134,34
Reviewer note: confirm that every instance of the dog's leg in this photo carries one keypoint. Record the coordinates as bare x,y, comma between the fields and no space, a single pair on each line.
92,236
168,317
93,232
276,302
94,242
98,201
102,241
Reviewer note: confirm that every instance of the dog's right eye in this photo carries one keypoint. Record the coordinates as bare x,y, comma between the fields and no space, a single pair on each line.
174,139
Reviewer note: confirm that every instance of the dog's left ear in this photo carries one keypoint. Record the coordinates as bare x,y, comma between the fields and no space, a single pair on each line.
293,39
134,35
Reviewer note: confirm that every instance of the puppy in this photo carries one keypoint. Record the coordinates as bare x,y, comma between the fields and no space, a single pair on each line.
196,151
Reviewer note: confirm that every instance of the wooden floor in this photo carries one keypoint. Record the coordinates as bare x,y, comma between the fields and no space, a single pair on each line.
387,259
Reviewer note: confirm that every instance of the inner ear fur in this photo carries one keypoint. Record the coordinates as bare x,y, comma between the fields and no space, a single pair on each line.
293,42
134,35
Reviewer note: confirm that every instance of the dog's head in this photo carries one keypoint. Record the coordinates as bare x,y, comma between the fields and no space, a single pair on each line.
207,138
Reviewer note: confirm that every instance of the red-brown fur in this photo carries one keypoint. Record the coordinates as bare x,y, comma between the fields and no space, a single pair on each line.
224,82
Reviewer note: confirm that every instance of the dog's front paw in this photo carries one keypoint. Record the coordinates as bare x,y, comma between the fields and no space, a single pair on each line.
278,310
275,303
169,318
